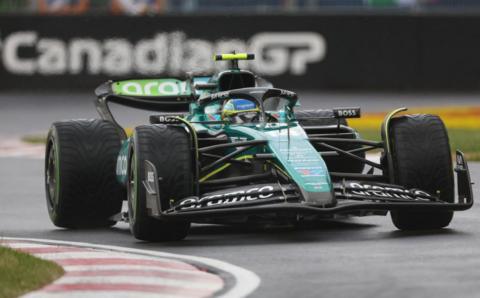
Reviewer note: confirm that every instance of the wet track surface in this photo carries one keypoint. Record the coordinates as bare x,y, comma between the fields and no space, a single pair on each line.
362,257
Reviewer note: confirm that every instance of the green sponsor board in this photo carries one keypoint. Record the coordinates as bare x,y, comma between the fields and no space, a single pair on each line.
154,87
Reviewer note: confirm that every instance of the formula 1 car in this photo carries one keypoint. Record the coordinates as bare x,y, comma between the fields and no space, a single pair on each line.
230,148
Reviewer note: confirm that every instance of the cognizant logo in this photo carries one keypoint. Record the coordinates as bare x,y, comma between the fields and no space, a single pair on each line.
170,53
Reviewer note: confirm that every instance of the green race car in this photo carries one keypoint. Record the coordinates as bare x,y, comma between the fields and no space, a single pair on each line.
230,148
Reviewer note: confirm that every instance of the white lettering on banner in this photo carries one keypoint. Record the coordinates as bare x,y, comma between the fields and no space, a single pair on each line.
165,53
11,60
88,51
287,51
117,59
53,57
150,55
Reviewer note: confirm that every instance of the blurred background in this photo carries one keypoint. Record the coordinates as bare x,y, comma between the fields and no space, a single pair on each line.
156,7
376,54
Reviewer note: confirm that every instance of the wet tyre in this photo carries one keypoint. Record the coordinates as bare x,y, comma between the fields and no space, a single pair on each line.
169,149
422,159
80,162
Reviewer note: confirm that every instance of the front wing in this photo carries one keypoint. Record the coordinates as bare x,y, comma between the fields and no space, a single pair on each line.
352,197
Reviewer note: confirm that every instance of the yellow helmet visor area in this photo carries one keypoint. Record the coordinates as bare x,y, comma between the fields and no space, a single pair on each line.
231,113
235,106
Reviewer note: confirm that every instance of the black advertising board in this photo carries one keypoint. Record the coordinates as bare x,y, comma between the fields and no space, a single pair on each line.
331,52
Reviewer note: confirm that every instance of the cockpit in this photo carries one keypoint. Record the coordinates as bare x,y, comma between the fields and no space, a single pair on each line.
243,110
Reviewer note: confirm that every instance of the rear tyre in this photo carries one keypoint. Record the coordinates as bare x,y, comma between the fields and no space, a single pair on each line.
169,149
422,159
80,162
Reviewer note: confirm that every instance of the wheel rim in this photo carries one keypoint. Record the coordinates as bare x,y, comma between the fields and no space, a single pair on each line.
51,179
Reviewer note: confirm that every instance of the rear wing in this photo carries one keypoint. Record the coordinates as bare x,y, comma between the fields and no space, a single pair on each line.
165,95
169,94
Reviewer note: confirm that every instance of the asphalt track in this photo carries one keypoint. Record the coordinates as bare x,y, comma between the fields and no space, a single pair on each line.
363,257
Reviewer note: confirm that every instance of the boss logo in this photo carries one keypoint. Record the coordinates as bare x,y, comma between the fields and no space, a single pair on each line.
287,93
220,95
346,113
165,119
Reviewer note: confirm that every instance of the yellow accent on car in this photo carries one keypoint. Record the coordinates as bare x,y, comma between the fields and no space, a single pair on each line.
237,56
278,168
218,170
387,123
230,113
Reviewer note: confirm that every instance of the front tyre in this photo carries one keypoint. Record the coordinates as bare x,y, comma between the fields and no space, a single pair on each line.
169,149
422,159
80,161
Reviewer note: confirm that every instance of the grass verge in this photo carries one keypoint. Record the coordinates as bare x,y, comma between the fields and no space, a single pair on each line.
466,140
35,139
21,273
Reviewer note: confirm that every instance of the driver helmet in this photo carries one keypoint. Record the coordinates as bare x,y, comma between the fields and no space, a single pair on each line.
241,110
